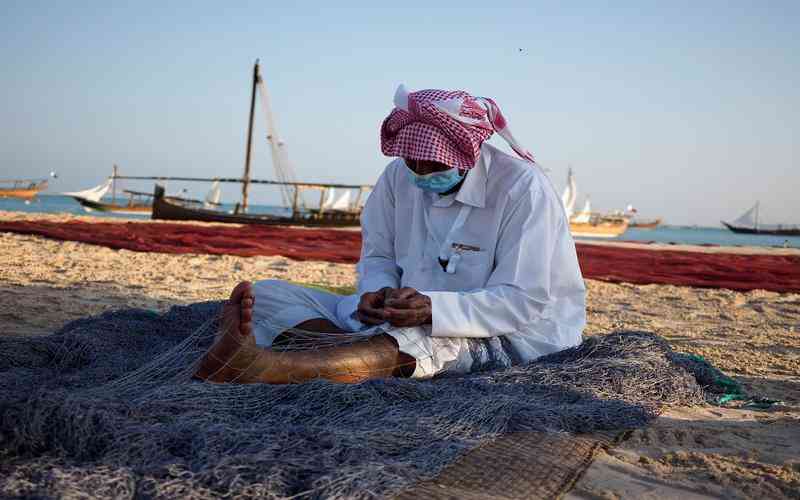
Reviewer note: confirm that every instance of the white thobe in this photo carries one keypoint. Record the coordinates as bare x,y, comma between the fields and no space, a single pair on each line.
517,292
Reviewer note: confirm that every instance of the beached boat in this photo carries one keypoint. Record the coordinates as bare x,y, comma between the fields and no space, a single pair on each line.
339,204
748,223
23,189
173,208
587,223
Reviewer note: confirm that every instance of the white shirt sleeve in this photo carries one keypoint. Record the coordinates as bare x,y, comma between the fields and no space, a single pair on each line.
536,264
377,267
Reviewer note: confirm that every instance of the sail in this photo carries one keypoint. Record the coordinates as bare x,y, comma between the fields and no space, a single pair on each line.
332,202
343,201
330,198
213,196
585,215
94,194
570,194
748,219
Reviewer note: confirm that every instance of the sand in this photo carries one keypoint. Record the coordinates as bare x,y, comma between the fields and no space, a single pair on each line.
687,453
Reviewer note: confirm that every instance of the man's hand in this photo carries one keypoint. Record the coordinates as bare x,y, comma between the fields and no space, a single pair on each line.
407,307
370,307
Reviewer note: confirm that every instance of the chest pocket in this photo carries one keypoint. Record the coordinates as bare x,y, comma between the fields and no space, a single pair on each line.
473,271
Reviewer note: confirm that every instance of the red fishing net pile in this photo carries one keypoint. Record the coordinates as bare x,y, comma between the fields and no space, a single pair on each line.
245,241
609,263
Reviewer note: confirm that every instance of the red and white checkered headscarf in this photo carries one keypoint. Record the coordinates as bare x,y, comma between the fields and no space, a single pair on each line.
443,126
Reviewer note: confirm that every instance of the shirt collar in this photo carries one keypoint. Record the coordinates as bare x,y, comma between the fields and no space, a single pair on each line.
473,191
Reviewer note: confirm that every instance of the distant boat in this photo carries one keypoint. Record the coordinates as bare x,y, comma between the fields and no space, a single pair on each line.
748,223
587,223
137,202
90,199
23,189
645,224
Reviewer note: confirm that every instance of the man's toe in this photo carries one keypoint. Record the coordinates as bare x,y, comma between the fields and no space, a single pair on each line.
243,289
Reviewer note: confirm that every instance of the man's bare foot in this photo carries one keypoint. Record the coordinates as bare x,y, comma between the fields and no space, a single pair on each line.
235,357
235,348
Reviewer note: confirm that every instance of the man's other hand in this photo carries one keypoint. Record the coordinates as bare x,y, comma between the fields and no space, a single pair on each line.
370,307
407,307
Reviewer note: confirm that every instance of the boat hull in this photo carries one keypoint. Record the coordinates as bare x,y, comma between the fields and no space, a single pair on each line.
22,194
26,193
771,232
601,229
645,225
95,206
166,209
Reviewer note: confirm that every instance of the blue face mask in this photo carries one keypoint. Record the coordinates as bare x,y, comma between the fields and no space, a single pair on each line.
437,182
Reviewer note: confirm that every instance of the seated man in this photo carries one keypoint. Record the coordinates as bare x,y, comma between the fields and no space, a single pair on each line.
467,263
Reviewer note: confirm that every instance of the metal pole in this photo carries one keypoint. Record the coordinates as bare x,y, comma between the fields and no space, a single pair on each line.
246,176
309,185
322,194
358,198
294,200
114,184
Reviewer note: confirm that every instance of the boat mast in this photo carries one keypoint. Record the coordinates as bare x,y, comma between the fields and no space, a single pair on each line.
246,176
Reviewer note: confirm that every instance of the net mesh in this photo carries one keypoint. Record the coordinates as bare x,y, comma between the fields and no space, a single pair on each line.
107,408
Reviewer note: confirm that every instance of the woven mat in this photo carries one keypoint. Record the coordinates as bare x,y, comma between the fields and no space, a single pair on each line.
522,465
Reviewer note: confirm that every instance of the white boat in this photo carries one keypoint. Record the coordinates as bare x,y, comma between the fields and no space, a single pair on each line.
137,202
91,199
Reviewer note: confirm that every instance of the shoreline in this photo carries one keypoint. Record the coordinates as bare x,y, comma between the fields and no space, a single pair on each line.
680,247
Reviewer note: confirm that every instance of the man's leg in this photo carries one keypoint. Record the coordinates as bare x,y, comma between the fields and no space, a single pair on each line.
236,358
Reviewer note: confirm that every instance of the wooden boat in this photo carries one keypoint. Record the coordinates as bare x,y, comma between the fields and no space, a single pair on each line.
645,224
172,208
748,223
138,203
23,189
331,211
599,226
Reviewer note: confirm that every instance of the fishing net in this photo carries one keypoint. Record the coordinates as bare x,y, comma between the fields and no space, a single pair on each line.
107,408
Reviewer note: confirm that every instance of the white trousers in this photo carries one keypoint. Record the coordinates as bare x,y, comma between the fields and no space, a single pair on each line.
280,306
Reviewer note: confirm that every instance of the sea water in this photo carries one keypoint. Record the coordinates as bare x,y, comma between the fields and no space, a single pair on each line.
59,204
663,234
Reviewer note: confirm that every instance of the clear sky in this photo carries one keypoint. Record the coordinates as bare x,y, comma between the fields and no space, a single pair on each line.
687,110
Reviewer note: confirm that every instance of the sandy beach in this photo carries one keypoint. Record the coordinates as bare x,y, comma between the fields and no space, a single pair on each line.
688,452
